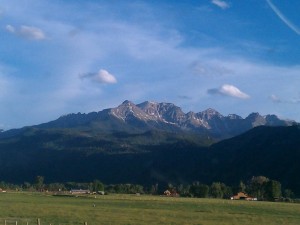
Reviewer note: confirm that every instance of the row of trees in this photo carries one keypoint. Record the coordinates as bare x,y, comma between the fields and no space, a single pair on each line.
259,187
40,185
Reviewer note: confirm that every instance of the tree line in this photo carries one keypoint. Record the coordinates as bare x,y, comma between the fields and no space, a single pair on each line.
259,187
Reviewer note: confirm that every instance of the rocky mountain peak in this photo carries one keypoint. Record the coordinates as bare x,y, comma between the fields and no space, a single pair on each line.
151,109
234,117
210,113
253,115
126,106
127,103
147,104
168,113
171,112
276,121
256,119
127,109
168,117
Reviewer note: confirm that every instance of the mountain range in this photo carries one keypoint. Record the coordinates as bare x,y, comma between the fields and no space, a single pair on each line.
152,143
168,117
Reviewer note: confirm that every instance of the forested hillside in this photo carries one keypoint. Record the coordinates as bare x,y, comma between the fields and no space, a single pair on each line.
151,157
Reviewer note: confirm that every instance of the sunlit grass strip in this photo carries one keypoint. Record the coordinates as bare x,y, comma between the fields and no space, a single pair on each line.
131,209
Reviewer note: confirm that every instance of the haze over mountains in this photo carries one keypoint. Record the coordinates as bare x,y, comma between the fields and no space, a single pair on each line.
152,143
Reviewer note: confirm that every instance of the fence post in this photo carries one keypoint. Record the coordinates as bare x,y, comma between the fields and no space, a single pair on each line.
38,221
85,223
16,222
4,222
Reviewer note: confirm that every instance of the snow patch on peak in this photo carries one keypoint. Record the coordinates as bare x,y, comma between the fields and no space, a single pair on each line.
234,117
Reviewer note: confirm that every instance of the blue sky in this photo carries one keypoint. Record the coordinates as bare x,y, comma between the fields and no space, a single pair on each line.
59,57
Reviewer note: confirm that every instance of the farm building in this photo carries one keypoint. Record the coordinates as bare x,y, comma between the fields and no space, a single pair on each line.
79,191
243,196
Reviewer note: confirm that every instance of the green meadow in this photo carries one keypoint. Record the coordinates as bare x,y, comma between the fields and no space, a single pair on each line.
131,209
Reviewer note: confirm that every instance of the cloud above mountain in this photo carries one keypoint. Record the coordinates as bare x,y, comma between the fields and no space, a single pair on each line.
228,90
27,32
220,3
102,76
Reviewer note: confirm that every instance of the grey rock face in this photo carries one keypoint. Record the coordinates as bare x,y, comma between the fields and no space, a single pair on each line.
167,117
162,115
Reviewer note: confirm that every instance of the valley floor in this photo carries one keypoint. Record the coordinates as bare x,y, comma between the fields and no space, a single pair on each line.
131,209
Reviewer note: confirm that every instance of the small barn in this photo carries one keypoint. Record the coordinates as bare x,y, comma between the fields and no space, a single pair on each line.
171,193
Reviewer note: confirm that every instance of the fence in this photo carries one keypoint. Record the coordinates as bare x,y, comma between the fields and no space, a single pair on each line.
38,222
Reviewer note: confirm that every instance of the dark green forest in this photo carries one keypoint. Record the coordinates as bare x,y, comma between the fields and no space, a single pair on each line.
152,157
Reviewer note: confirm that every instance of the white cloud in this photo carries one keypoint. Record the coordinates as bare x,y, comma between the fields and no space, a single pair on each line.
103,76
27,32
283,17
220,3
229,90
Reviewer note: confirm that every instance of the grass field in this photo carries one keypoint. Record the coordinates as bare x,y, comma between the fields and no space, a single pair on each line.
131,209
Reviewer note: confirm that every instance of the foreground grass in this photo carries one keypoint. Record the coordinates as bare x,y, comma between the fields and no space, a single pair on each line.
130,209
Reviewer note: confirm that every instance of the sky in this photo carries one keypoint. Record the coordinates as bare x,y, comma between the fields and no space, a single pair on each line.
67,56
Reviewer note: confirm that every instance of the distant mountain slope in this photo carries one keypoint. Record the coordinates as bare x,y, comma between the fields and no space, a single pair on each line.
167,117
